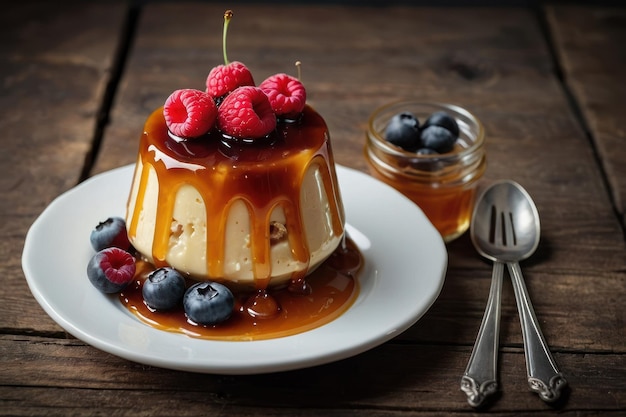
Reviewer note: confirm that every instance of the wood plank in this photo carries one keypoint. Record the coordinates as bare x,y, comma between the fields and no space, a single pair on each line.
367,58
67,376
54,63
493,61
589,42
585,317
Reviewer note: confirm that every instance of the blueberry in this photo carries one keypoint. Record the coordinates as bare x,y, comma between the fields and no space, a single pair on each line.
438,139
443,119
403,131
110,233
208,303
163,289
111,270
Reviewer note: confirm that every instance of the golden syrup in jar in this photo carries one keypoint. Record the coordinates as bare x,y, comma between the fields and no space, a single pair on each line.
442,185
448,209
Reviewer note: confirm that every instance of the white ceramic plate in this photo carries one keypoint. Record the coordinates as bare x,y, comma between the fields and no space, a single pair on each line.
405,264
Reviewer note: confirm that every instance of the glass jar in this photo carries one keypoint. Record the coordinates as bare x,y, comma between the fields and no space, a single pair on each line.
442,185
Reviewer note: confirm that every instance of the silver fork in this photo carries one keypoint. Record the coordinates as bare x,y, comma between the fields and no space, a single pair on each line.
480,379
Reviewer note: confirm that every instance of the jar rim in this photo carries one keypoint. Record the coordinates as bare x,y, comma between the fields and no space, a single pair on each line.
396,151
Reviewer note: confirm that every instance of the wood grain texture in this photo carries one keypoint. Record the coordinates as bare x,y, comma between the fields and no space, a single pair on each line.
56,63
589,44
392,379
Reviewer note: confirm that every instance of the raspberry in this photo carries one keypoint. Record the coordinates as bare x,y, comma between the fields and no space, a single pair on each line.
286,93
189,113
246,113
224,79
111,270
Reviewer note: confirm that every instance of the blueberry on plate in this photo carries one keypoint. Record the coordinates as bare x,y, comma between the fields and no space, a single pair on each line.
163,289
111,270
438,139
208,303
403,131
110,233
443,119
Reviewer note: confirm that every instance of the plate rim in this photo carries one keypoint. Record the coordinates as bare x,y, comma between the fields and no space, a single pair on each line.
347,177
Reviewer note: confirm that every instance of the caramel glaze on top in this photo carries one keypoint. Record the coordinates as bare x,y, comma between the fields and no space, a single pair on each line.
264,173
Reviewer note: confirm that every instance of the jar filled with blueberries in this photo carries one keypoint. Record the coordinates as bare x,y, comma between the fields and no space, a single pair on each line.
434,154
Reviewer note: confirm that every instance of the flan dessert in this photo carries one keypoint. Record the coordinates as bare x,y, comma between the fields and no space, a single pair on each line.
251,198
234,227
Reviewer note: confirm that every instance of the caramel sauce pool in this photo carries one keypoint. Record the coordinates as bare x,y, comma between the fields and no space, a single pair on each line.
333,289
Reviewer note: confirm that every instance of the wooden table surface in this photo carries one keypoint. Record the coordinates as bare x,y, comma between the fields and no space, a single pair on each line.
79,80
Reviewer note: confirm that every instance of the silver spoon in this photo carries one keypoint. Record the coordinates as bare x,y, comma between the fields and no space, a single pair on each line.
510,234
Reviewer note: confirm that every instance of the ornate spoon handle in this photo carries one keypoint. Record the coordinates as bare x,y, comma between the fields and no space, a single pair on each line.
543,375
480,378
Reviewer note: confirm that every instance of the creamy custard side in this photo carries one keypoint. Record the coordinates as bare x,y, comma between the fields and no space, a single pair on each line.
210,211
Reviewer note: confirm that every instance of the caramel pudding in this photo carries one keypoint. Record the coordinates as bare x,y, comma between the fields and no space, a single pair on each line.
255,214
259,216
235,192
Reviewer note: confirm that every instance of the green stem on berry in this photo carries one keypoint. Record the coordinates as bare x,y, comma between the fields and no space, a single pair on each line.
298,65
228,14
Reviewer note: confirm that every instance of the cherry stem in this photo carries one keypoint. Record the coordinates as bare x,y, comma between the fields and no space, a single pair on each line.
228,14
298,66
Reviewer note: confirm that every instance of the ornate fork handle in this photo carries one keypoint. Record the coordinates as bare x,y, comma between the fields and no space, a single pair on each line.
544,377
480,378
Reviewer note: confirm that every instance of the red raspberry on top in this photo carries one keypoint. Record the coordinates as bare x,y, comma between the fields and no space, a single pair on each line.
189,113
246,113
225,78
286,93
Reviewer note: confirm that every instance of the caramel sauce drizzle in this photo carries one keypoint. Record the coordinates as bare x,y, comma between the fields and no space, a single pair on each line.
263,175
